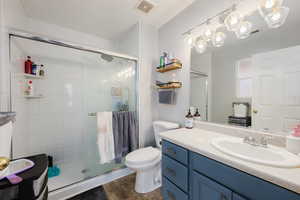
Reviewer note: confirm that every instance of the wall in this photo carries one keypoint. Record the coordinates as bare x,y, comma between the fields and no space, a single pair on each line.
2,50
128,42
141,41
171,40
148,60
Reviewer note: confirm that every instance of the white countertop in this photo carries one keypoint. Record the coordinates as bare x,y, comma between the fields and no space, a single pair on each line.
198,141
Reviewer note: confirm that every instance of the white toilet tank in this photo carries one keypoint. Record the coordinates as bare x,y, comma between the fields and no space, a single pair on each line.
161,126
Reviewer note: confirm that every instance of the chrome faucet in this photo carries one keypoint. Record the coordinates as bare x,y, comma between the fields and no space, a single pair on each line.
252,141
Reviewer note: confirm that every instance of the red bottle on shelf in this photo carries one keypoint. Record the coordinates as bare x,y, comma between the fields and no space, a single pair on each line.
28,65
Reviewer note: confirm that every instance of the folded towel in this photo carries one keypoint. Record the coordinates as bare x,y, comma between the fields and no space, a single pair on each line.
105,137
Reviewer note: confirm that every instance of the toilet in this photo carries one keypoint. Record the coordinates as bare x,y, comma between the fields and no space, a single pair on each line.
147,161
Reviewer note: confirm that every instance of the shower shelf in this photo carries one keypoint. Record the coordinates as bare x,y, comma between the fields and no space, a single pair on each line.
33,97
170,67
29,76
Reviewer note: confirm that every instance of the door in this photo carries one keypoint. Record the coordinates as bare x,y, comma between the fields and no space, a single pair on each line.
276,93
203,188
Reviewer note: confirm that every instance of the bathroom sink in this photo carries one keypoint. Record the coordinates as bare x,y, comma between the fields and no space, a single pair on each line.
15,167
270,156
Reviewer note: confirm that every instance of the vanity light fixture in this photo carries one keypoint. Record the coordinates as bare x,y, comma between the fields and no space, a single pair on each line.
232,18
219,39
201,45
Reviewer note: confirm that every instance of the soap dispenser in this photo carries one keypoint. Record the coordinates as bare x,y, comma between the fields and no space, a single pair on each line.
189,120
197,115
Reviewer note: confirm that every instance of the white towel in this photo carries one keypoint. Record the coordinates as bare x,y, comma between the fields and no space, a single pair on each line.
5,139
105,142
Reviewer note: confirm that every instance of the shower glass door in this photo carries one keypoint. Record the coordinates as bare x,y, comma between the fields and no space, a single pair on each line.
59,118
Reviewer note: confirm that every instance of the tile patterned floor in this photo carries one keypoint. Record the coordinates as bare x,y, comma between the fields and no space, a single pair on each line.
121,189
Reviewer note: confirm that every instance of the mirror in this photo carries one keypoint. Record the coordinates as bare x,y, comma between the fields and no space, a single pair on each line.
252,82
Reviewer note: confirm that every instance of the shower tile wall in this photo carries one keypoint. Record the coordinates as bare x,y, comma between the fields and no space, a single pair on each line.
58,124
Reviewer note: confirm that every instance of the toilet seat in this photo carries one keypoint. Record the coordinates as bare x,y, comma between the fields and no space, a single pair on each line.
142,157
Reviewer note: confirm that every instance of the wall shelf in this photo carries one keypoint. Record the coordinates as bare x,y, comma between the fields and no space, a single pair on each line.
170,67
172,85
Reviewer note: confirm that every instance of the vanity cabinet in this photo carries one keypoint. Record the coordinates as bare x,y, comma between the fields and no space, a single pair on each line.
203,188
237,197
191,176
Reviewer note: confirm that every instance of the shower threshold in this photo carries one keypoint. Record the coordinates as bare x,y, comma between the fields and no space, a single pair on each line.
85,185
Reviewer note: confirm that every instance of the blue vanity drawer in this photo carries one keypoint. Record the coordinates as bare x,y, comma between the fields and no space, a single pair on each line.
175,172
171,192
250,187
178,153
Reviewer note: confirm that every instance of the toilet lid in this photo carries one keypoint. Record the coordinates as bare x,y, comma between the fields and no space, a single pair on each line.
142,156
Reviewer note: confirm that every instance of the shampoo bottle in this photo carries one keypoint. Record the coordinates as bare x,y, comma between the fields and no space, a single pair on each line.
28,65
189,120
42,71
29,88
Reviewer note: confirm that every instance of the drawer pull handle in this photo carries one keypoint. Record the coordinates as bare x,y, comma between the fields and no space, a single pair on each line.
171,151
171,195
172,172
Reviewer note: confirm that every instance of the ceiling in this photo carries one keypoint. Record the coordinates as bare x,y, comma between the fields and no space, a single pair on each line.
104,18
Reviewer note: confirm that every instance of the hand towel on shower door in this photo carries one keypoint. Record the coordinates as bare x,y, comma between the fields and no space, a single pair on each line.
105,137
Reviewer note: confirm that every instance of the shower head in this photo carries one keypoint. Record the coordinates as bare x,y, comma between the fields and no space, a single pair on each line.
107,57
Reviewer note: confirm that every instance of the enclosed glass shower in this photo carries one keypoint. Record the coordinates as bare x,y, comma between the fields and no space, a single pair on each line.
59,117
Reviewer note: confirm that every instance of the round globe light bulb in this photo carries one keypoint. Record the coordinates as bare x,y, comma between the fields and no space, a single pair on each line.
201,45
243,29
234,20
219,39
189,40
208,33
269,4
276,16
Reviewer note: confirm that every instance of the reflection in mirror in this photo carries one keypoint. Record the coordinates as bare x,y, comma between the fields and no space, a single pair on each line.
254,82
